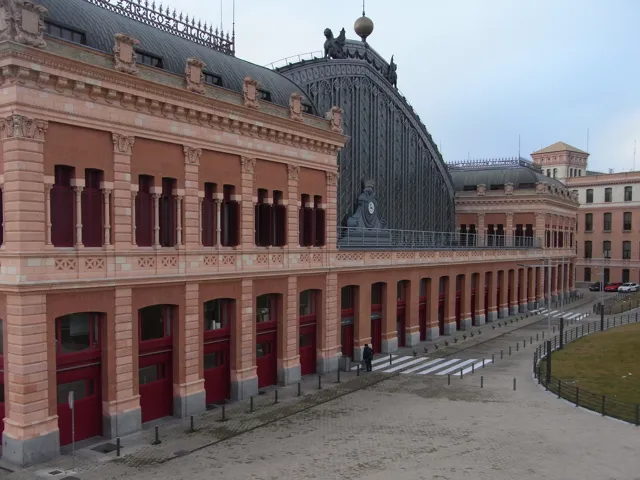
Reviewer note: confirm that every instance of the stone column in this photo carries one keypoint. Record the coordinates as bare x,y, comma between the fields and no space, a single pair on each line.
156,220
189,396
482,241
192,203
390,318
121,414
450,306
179,199
554,283
124,214
513,281
480,305
465,303
541,294
247,229
47,199
362,324
331,209
288,336
292,206
531,288
78,194
218,222
412,312
523,281
106,194
509,228
539,231
24,202
30,425
244,373
433,296
492,296
329,327
503,306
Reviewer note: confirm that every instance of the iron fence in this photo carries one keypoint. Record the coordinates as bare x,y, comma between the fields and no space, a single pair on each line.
350,237
603,404
618,304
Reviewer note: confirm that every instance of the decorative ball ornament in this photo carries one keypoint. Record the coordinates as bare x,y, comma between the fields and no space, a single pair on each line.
363,27
371,207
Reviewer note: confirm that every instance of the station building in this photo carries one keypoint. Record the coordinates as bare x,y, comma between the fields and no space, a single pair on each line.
181,227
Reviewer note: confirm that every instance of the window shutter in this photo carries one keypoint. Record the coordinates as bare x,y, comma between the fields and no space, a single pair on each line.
208,222
92,207
258,224
308,227
62,217
234,223
281,225
320,227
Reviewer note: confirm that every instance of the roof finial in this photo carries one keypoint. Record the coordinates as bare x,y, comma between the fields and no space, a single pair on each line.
363,26
363,14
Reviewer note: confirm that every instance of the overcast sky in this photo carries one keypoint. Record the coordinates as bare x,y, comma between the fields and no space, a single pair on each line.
480,72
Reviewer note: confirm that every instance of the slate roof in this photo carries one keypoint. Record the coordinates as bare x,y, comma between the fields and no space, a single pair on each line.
560,147
500,176
100,26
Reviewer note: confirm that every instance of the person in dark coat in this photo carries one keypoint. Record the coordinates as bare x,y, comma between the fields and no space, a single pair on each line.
367,355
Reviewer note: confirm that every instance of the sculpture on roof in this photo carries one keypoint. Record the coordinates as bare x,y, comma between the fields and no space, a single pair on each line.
334,47
392,76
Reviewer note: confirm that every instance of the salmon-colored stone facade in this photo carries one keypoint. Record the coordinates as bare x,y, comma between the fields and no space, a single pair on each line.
69,106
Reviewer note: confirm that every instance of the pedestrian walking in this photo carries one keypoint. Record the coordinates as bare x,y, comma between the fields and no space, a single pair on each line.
367,355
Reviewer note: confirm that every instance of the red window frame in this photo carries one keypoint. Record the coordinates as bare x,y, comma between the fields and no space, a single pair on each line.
62,204
168,314
229,218
145,217
93,353
167,206
209,213
92,208
312,316
346,312
273,313
228,304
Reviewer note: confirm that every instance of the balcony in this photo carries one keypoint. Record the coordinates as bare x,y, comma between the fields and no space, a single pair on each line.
349,238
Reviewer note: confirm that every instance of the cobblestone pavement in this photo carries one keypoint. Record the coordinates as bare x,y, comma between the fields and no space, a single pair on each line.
382,425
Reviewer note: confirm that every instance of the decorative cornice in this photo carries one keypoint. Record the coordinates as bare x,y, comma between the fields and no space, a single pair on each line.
293,172
19,126
248,164
332,179
192,155
123,144
163,101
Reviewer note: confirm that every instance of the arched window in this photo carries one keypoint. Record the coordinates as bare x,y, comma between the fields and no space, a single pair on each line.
77,332
218,314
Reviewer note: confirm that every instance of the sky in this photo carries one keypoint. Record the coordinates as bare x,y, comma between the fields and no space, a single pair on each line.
481,74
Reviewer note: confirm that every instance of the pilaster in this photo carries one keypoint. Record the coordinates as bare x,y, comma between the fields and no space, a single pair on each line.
481,236
509,228
332,213
503,306
247,226
192,236
493,297
450,306
288,333
329,327
389,318
293,223
465,302
433,298
523,282
123,200
362,325
412,313
244,373
480,317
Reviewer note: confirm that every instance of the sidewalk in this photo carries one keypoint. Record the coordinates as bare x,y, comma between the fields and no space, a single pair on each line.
97,458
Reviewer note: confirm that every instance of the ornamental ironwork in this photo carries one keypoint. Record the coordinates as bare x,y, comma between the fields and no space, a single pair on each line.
475,164
169,21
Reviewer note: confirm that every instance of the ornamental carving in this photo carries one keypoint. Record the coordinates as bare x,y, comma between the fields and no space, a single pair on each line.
250,90
335,119
124,54
508,188
481,189
122,143
192,155
19,126
193,75
294,171
541,187
295,107
332,179
22,22
248,164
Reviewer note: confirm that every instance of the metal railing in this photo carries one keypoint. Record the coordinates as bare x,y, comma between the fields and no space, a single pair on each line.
350,237
290,60
603,404
618,304
471,164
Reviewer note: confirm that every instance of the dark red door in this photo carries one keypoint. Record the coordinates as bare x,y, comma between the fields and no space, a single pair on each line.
308,349
85,383
458,300
376,335
267,358
347,339
486,303
422,318
473,306
156,385
401,325
441,313
498,298
217,371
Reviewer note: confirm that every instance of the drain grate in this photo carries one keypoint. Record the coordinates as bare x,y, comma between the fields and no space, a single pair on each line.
55,472
105,448
182,453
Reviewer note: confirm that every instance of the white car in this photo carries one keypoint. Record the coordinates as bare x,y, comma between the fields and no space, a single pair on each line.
628,287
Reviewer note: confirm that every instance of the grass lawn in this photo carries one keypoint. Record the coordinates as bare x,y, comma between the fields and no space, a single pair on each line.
605,363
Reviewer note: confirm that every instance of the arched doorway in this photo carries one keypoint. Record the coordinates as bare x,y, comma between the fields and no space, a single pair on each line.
267,312
309,302
377,291
218,317
155,362
78,370
347,315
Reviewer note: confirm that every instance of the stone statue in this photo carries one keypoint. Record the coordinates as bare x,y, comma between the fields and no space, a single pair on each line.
365,227
392,76
334,47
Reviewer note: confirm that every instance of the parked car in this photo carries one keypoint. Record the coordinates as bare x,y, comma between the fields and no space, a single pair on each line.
628,287
595,287
612,287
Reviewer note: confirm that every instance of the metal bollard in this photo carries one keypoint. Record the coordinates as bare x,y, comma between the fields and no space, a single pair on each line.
448,379
483,363
537,337
319,382
530,340
299,389
473,369
390,359
338,375
275,400
224,413
251,404
501,354
118,447
481,381
514,384
460,373
543,335
517,347
358,370
493,358
191,426
157,440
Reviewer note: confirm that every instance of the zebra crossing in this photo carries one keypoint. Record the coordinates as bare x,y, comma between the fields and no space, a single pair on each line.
425,365
567,315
